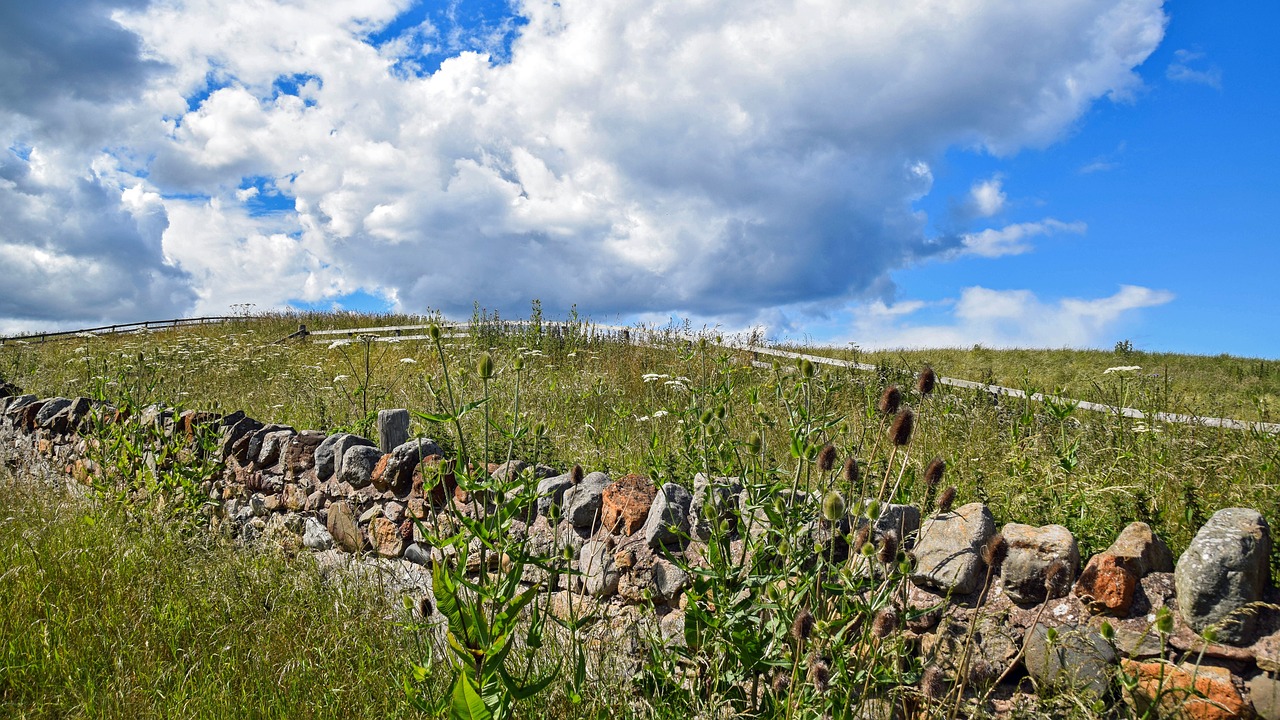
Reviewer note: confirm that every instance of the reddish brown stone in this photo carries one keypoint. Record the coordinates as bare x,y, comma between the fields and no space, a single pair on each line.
1186,692
625,503
1107,585
385,537
379,477
295,498
342,526
443,483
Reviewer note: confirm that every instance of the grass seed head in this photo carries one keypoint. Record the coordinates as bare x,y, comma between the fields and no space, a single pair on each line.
902,427
890,399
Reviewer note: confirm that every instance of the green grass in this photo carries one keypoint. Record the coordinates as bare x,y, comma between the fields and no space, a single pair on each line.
108,615
668,411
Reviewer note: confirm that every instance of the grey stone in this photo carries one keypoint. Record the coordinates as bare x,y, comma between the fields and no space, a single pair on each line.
272,445
1031,550
357,465
1223,570
901,519
1264,693
509,471
259,438
599,572
369,514
947,550
51,408
668,520
1143,550
258,503
329,453
582,502
551,492
669,580
233,432
1078,658
393,429
17,403
315,536
417,554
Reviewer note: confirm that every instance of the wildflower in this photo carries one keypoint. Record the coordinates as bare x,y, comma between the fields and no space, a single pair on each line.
994,550
888,547
340,378
409,361
659,413
1122,368
890,399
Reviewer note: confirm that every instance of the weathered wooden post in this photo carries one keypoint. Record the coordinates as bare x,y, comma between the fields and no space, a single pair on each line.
393,429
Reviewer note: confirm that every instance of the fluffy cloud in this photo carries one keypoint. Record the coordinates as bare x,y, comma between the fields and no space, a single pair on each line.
1012,239
987,198
1004,318
710,158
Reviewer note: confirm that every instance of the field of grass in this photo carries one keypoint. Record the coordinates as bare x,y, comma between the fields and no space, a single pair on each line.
674,408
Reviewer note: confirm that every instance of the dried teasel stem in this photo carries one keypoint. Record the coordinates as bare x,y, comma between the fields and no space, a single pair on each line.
946,499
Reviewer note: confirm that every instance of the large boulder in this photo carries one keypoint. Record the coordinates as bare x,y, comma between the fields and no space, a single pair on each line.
1078,659
329,453
1223,570
582,502
668,521
1031,552
394,470
357,465
625,503
948,549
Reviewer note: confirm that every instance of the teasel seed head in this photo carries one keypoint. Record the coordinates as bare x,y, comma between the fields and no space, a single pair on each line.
833,506
575,475
827,458
781,683
933,683
902,426
890,399
434,331
945,500
754,443
851,472
484,368
802,627
926,381
885,623
862,538
1056,577
889,547
819,673
933,473
994,551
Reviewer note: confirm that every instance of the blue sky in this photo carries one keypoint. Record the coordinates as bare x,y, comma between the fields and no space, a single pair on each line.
1062,173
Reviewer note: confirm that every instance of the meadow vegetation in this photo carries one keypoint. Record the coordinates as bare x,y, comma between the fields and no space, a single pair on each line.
669,408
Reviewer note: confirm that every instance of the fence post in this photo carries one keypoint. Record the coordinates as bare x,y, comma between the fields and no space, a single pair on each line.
393,429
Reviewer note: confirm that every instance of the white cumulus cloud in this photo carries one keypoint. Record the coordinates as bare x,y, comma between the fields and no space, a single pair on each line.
707,158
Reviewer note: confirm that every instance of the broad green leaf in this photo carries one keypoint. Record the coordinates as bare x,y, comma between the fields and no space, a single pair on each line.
467,704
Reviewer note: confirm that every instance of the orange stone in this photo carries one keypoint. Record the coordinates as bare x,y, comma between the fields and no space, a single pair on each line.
625,503
1107,585
1186,692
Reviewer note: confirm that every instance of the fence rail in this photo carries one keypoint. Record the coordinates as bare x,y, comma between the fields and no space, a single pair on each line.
117,328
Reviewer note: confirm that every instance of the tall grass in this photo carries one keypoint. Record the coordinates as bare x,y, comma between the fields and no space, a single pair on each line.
113,613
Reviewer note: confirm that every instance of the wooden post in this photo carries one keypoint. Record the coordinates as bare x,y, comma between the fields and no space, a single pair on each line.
393,429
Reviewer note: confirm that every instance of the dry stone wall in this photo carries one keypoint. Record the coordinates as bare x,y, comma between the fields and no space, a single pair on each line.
1034,610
